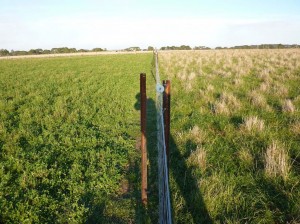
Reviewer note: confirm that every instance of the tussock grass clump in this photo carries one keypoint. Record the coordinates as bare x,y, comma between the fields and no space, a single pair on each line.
226,103
237,81
264,87
192,76
206,94
253,124
197,134
296,101
188,86
280,90
182,76
296,128
198,158
277,161
230,100
220,107
288,106
258,100
210,88
264,75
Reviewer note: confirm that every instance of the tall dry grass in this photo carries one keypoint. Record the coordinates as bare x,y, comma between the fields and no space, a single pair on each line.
288,106
253,124
277,162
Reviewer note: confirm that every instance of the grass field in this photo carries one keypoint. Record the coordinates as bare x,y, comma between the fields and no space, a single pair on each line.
235,135
68,130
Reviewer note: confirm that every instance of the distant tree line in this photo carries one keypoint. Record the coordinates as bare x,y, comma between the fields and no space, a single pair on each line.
132,49
263,46
184,47
150,48
60,50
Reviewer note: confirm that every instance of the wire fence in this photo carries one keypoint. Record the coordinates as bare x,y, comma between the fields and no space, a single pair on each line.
165,216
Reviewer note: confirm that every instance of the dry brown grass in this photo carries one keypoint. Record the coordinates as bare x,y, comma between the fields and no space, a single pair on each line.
264,87
210,88
230,100
277,162
191,76
288,106
198,158
279,89
237,81
220,107
226,104
197,134
296,128
257,99
233,62
297,100
253,124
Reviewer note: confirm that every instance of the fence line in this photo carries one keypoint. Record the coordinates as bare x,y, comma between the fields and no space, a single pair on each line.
165,216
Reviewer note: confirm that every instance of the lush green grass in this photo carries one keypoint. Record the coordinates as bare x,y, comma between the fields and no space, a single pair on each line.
235,139
68,130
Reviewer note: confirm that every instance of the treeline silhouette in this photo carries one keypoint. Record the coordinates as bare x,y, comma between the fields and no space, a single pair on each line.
60,50
263,46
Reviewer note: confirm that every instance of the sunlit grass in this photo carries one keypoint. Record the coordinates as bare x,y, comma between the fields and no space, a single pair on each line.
67,135
247,104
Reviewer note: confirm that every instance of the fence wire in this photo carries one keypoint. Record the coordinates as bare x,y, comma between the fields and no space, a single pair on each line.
165,216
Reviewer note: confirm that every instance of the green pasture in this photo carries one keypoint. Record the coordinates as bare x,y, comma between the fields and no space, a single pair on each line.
69,138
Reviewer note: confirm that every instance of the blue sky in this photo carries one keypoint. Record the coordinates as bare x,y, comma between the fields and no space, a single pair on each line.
116,24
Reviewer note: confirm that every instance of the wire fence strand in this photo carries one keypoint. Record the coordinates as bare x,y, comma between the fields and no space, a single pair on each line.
165,216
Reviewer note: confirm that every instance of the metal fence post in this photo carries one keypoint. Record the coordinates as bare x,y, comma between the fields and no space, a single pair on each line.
143,137
166,109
